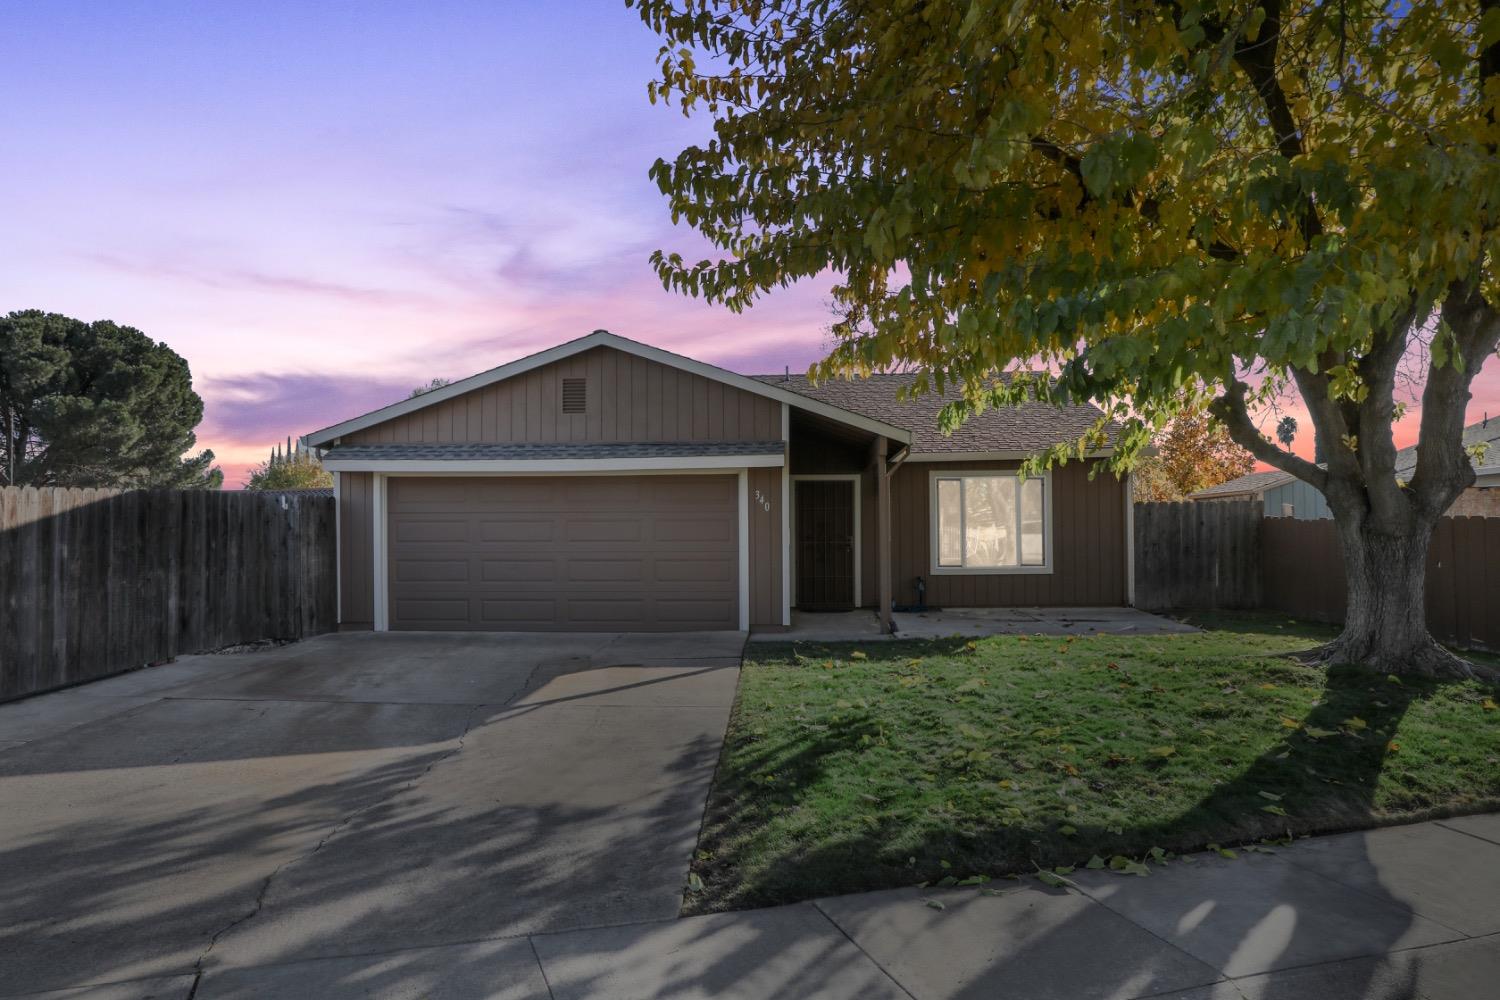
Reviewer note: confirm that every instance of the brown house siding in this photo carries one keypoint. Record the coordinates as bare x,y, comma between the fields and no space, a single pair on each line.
628,399
356,549
765,547
1088,544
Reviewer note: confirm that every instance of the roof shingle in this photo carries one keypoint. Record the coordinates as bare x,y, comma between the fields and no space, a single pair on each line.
1028,428
556,451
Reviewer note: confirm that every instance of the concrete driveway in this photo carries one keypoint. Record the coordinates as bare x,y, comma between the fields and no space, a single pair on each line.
352,795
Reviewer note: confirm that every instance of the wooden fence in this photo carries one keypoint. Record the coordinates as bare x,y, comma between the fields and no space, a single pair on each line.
95,582
1210,557
1198,555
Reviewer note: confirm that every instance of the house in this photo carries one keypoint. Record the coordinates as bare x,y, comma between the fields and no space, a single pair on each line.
1483,498
1284,495
608,485
1281,494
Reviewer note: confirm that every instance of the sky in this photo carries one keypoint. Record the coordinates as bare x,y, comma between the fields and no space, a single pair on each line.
324,204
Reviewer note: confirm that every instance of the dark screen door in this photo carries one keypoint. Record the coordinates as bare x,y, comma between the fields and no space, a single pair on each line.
825,545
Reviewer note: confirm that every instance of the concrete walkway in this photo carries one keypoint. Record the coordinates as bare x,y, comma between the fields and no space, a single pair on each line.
1386,915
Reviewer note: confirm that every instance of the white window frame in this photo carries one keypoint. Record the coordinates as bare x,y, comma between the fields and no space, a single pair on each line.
932,517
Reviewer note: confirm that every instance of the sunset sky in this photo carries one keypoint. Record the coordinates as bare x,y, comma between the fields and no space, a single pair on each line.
321,205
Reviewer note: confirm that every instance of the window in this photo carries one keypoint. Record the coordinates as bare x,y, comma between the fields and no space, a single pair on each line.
574,395
990,523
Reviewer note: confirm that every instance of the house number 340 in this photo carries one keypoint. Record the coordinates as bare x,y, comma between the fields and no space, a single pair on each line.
763,500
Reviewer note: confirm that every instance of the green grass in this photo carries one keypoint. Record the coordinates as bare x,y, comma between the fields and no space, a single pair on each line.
851,767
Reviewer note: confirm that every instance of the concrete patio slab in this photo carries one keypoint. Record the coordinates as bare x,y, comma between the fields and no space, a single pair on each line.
1413,866
827,626
491,970
790,951
1260,913
1025,942
980,622
1465,970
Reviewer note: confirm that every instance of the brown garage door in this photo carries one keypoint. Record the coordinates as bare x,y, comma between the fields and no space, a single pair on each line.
589,553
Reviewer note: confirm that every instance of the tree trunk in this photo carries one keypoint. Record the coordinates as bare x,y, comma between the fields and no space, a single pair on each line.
1385,626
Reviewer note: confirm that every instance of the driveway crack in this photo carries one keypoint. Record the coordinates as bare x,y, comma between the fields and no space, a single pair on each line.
333,831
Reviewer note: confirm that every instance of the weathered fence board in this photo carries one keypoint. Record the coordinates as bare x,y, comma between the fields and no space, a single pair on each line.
1197,555
94,582
1226,555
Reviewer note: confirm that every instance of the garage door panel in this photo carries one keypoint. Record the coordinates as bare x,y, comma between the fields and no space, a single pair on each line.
530,530
408,529
629,569
532,571
695,529
566,553
431,570
586,528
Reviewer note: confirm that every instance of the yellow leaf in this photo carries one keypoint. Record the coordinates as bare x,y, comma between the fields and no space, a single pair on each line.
1162,752
1488,705
1355,722
1287,723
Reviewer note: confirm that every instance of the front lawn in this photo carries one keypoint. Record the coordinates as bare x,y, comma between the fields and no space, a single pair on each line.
850,767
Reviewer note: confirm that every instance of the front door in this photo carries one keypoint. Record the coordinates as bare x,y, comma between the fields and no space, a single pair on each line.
825,544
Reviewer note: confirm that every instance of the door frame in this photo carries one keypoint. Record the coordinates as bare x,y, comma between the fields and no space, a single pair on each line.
380,568
857,478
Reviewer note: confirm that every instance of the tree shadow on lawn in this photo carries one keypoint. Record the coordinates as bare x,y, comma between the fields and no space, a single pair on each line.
1247,809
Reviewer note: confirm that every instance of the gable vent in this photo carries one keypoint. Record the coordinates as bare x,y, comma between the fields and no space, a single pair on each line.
575,395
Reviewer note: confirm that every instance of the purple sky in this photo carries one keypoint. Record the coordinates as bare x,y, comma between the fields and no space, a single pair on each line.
321,205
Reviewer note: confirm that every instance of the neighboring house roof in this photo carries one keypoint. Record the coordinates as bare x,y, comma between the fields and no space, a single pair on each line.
603,338
558,451
1487,431
1254,484
1020,430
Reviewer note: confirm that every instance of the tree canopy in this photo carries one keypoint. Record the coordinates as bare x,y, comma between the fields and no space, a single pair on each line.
95,404
1158,204
1193,453
292,469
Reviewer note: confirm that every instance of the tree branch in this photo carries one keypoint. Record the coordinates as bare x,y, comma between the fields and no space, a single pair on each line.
1234,414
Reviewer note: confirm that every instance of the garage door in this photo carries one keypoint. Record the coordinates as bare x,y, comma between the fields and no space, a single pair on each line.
587,553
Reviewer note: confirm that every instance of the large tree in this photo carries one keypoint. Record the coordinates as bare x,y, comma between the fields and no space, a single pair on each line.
95,404
1144,197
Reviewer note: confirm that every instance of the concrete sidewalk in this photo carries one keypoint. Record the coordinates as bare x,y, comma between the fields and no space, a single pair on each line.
1403,912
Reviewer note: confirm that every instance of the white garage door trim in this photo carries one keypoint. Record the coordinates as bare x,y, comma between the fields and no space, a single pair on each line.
381,574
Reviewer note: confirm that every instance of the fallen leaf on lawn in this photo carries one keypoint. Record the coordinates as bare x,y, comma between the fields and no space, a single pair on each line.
1006,784
1267,687
1042,694
1318,734
858,654
1393,747
1288,723
1488,705
1273,810
1158,855
946,881
1270,795
996,892
1162,751
972,684
1068,830
1225,852
944,865
1063,870
1094,863
1356,723
695,884
974,880
934,904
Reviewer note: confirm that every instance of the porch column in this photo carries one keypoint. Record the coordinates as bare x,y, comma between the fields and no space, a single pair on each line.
882,532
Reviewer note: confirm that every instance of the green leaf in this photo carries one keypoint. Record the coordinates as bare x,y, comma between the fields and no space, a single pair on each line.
934,904
1094,863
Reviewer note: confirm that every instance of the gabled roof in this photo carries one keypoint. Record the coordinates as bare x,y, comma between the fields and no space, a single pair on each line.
603,338
1253,484
520,452
1013,431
